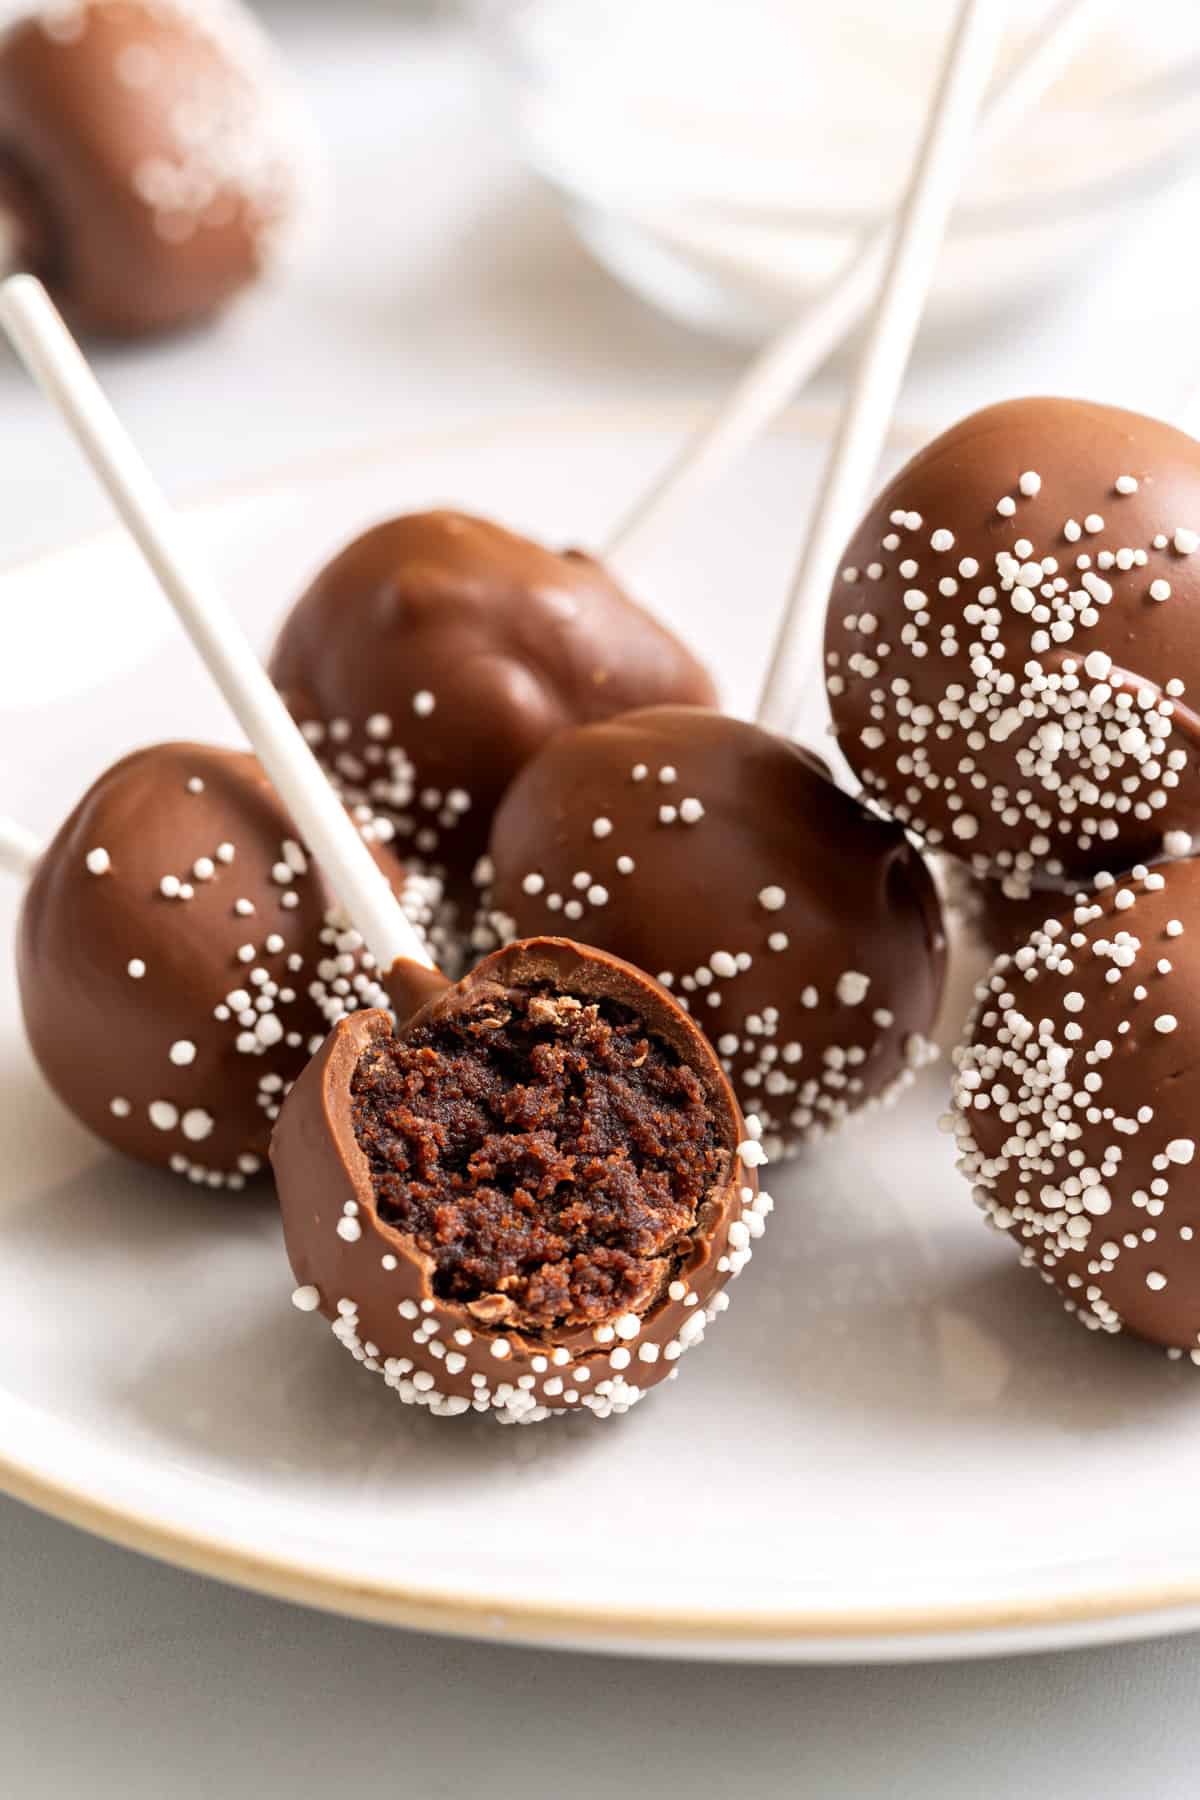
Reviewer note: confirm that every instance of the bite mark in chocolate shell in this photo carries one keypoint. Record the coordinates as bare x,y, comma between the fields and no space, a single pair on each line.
529,1197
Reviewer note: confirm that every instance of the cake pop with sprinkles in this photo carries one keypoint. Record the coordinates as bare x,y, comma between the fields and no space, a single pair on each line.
803,934
153,161
180,958
431,659
1076,1102
529,1197
1010,654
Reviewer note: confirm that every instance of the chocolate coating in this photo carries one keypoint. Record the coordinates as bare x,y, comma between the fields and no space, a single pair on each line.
1077,1103
804,934
433,657
1032,717
379,1288
146,1013
995,920
152,149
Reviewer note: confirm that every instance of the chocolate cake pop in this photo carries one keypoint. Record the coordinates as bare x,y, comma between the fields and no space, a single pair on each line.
151,160
432,658
803,934
180,959
1076,1101
529,1197
1010,655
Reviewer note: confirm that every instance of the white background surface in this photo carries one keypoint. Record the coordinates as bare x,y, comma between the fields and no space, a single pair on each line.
450,291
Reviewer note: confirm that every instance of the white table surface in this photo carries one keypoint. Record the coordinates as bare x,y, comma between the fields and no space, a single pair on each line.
451,290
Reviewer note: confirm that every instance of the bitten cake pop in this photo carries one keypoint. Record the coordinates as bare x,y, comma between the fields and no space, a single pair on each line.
803,934
432,658
1077,1104
529,1197
180,958
1010,653
151,158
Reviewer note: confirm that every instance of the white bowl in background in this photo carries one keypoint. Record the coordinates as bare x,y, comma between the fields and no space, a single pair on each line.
724,161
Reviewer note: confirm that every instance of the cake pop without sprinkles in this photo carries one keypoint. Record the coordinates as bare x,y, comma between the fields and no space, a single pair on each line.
802,934
1010,653
547,1156
1076,1101
180,958
152,159
438,652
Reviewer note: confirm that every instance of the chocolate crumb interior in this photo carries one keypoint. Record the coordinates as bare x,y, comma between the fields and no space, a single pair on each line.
547,1152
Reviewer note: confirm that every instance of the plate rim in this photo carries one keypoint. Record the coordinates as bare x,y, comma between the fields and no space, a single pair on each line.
807,1632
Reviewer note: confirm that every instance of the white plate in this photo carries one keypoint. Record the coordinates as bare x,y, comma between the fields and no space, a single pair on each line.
894,1445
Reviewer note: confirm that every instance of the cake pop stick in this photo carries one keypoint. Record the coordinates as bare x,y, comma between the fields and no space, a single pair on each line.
152,158
789,361
862,429
53,358
19,848
531,1195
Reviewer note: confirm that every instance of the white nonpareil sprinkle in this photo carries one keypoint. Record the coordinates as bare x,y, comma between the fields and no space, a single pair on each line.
1156,1279
772,899
691,811
423,703
163,1116
1160,590
135,967
182,1052
196,1124
306,1299
1030,483
533,884
852,987
1181,1150
1165,1022
751,1154
119,1107
1126,484
601,828
98,862
349,1229
1185,541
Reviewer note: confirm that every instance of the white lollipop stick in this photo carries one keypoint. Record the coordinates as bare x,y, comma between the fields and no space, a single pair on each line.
790,360
54,359
19,849
862,429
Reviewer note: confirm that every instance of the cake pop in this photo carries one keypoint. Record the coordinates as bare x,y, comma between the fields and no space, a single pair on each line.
151,157
432,658
1076,1099
526,1199
180,958
803,934
1009,650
